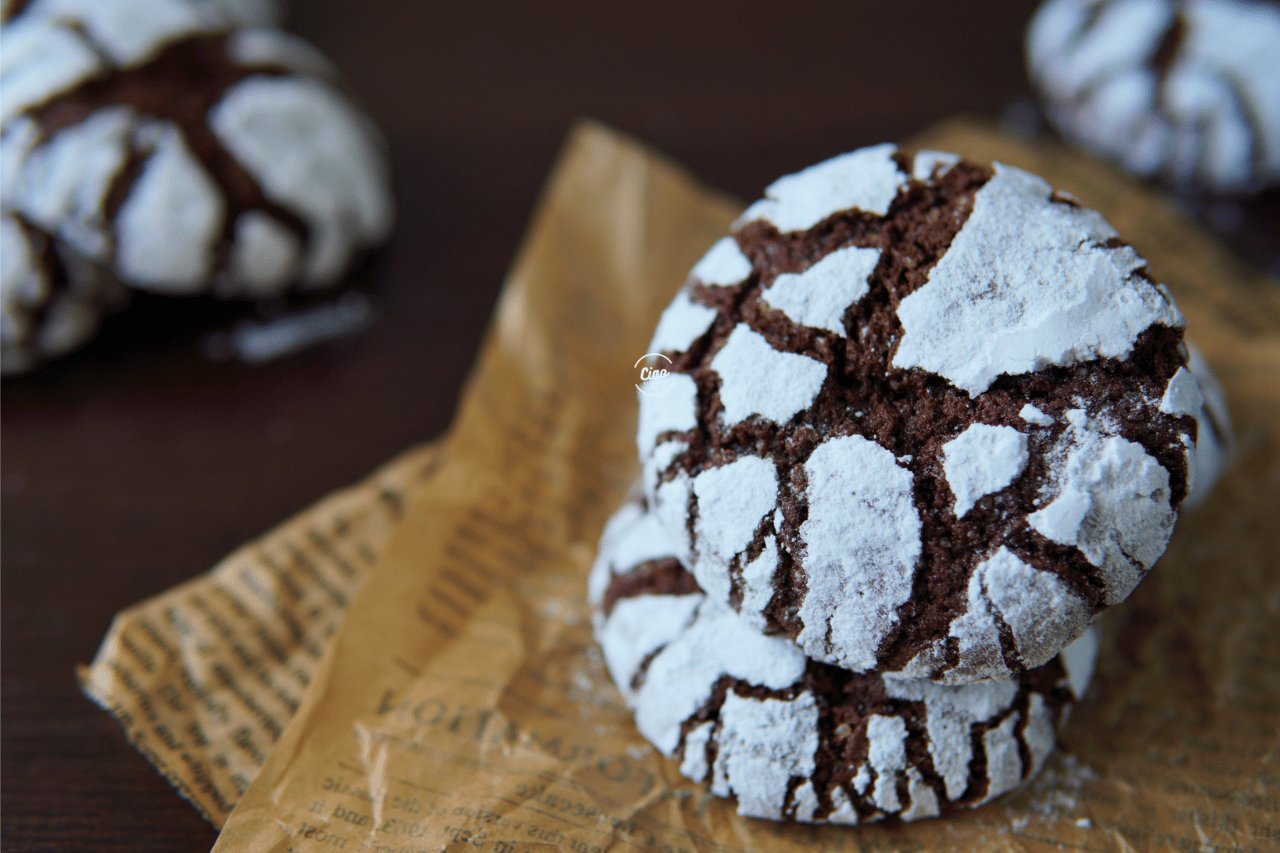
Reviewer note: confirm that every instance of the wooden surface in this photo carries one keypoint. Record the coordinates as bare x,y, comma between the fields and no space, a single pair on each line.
137,463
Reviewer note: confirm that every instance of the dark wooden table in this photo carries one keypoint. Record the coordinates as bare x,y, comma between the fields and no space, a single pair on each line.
137,462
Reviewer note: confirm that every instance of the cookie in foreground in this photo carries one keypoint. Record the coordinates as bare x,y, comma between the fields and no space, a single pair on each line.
796,739
926,417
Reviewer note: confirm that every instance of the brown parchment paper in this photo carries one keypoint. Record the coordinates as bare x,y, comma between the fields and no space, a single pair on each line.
463,705
204,677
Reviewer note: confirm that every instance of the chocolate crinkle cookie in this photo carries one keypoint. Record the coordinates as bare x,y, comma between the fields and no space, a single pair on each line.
926,417
1183,90
50,302
793,738
176,153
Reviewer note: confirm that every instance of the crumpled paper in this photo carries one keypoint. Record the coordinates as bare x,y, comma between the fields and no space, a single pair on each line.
205,676
463,705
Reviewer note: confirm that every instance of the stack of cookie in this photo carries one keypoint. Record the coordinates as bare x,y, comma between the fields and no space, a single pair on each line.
925,420
173,146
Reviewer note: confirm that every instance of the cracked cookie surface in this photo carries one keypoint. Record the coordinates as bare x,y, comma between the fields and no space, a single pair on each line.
792,738
926,417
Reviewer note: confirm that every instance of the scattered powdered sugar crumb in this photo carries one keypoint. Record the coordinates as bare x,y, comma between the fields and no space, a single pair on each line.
757,379
1182,395
927,162
861,542
763,743
867,179
1112,503
682,323
1034,416
732,501
1054,794
981,460
1042,612
1026,284
672,406
723,264
819,296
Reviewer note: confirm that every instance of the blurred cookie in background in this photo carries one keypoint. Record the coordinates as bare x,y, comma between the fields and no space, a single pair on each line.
152,141
1183,91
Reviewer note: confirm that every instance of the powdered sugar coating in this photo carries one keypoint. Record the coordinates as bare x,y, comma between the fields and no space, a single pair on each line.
762,745
670,406
640,626
866,179
930,164
723,265
264,254
732,501
950,713
167,226
862,539
336,182
1078,659
1041,612
1034,416
1182,395
681,676
41,59
1215,442
128,33
1004,766
63,184
1187,91
757,379
682,323
1111,500
820,295
981,460
37,320
1027,283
